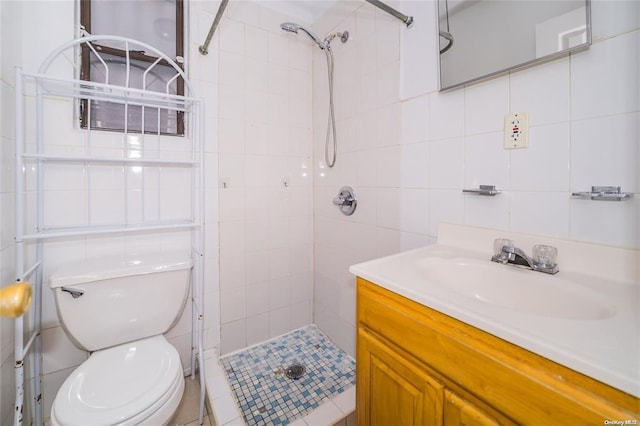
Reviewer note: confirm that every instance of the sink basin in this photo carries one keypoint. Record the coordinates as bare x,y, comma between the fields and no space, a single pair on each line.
516,288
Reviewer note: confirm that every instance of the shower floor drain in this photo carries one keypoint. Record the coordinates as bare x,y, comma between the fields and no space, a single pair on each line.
295,371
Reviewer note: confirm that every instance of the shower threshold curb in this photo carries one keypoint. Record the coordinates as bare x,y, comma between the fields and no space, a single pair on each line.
226,413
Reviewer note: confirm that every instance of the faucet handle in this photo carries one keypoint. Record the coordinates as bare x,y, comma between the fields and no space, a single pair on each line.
498,243
499,255
545,259
545,256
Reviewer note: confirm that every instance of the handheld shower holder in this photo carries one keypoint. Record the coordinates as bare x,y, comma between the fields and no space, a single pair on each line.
343,36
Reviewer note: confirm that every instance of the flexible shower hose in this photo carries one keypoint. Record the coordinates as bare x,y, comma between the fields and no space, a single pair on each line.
331,122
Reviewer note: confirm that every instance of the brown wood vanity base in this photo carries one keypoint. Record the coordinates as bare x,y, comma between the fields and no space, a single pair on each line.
417,366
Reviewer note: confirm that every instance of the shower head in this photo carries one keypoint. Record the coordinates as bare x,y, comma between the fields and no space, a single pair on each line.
294,28
290,26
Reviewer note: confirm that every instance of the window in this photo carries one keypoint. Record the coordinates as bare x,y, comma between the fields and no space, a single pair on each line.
159,23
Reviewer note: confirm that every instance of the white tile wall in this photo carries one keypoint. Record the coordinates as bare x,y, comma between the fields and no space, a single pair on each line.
543,92
485,161
413,173
418,76
265,209
370,158
446,163
531,212
58,352
414,210
485,106
616,162
487,211
579,135
445,205
415,123
600,84
609,223
446,115
613,18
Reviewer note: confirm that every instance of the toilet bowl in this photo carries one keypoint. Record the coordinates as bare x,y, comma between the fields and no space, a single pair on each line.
136,383
139,380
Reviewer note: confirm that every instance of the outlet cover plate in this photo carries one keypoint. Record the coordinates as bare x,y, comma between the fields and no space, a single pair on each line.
516,130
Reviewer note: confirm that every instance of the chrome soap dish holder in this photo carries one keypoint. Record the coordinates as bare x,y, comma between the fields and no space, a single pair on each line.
603,193
489,190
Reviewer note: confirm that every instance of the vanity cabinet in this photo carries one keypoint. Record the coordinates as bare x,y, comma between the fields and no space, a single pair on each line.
417,366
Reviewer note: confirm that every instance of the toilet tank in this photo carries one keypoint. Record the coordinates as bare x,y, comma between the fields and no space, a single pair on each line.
110,301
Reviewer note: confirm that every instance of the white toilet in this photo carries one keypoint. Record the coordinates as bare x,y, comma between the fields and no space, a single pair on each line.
118,310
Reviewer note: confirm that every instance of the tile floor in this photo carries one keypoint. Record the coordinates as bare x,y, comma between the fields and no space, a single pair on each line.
337,411
264,392
187,414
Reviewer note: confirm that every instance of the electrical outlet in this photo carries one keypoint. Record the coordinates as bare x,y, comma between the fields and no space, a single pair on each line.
516,130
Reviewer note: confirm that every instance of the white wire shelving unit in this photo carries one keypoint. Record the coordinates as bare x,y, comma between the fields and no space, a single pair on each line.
38,146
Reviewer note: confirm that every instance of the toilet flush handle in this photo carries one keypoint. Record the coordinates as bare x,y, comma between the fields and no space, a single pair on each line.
74,292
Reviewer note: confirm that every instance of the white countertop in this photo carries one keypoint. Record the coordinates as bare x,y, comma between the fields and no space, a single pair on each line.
606,349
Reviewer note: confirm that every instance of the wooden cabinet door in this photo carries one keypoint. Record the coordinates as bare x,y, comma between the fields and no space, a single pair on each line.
391,390
460,412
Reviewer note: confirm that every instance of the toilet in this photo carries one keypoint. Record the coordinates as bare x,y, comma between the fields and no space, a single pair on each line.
118,310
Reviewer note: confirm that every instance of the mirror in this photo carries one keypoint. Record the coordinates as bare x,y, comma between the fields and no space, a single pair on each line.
484,38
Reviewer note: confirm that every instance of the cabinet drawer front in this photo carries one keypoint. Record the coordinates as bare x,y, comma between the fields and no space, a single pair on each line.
518,383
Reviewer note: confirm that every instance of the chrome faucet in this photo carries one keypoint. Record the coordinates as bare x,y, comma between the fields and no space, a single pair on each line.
544,259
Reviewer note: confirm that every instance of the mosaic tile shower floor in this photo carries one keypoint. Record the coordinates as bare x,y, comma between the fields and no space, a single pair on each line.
267,396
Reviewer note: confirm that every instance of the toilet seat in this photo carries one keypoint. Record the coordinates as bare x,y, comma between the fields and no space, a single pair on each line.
121,385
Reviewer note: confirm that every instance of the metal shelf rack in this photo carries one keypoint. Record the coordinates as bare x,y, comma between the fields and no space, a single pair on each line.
39,146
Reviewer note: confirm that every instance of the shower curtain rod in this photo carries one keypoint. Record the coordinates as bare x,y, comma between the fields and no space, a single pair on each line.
216,21
408,20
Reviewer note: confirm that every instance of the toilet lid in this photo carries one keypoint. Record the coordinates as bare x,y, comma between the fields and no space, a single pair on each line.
117,383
